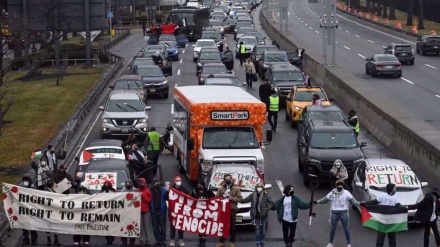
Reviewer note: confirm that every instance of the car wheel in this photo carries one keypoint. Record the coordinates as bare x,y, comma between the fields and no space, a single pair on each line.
300,165
411,62
366,70
437,53
287,115
417,50
399,75
422,52
373,73
306,181
292,123
165,96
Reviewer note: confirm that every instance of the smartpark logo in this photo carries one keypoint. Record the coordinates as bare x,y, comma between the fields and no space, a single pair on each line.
229,115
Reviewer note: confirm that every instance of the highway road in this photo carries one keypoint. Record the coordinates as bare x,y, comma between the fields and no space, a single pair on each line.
281,167
416,92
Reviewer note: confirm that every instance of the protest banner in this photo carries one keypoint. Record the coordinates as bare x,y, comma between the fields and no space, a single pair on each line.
95,181
106,214
243,180
209,217
381,175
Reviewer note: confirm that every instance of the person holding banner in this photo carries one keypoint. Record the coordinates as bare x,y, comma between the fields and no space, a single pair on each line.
228,190
158,209
62,174
43,172
50,188
427,211
287,213
129,188
261,203
107,188
202,193
145,209
27,183
82,189
177,186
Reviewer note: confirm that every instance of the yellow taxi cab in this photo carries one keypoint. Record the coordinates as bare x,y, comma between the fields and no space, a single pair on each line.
301,96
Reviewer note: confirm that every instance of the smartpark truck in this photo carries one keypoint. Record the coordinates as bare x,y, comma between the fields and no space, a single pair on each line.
217,125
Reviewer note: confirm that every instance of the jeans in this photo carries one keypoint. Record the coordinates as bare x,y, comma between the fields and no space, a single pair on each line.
173,233
153,156
288,237
249,80
343,217
232,227
273,114
428,226
145,223
381,239
260,231
34,236
159,226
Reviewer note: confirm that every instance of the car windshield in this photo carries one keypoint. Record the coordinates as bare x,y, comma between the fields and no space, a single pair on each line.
213,35
124,106
205,43
326,115
248,41
229,138
215,23
333,140
403,48
129,85
244,24
210,56
244,30
256,35
276,57
261,50
165,37
107,150
169,44
435,39
288,76
150,72
143,62
386,59
214,70
121,176
307,96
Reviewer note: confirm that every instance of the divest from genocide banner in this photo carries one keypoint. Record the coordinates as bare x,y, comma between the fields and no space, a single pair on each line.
210,217
107,214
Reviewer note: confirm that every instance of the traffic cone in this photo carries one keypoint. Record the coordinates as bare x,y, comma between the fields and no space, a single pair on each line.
414,29
360,13
386,20
367,15
399,25
375,18
433,32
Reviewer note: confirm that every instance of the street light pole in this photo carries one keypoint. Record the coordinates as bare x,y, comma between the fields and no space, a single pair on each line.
329,22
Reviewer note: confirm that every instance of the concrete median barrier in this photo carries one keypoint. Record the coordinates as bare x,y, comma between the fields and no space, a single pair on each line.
410,138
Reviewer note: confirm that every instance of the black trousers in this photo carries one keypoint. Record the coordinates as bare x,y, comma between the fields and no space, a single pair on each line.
289,229
132,240
33,237
77,238
381,239
273,123
249,80
232,228
428,226
241,56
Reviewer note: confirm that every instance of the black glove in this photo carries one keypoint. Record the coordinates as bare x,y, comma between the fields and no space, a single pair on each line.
315,202
362,203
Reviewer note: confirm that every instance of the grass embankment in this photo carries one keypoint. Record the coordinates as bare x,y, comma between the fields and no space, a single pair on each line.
401,19
80,42
40,109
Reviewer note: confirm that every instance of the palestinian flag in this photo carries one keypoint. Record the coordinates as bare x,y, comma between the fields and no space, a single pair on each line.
37,154
385,218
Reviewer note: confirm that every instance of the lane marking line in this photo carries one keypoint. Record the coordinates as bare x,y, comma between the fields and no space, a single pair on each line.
317,31
310,28
181,60
370,41
336,42
430,66
183,51
347,31
305,24
357,35
348,48
360,55
178,72
410,82
438,96
172,109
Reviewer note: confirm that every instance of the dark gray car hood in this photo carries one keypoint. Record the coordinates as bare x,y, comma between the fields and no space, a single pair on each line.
149,80
334,154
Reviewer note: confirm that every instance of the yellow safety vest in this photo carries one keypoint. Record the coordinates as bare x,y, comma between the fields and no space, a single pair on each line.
356,128
274,103
243,49
154,141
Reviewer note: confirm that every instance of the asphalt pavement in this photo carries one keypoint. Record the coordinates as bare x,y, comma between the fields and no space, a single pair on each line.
416,92
280,159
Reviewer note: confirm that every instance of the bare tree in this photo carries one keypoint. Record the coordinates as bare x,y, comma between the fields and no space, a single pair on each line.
392,10
409,12
385,10
420,24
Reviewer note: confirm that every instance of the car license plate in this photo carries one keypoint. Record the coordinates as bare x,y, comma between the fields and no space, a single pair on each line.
124,131
403,54
388,67
238,219
435,47
152,90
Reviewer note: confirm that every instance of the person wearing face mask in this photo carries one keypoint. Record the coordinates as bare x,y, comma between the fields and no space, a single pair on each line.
287,213
233,193
107,188
27,183
43,172
145,209
128,187
50,188
202,193
340,200
158,209
177,186
52,157
338,171
389,199
261,203
62,174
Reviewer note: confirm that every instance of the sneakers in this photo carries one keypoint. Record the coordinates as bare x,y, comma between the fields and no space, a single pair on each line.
231,244
329,245
172,242
181,243
86,243
76,243
348,245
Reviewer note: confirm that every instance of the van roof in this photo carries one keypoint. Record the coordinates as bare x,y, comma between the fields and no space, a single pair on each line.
215,94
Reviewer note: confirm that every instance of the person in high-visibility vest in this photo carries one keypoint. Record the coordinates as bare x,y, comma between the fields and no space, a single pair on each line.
152,144
274,107
353,120
242,53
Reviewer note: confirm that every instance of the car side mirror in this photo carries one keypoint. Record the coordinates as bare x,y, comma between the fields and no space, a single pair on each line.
148,108
424,184
101,108
77,159
269,135
301,144
289,99
268,186
190,144
193,45
367,59
331,99
363,144
112,87
359,185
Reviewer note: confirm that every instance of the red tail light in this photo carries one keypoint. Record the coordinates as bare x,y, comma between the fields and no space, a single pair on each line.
399,65
379,65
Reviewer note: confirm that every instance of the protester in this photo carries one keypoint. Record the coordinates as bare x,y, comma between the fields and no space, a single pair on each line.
308,81
43,172
62,174
228,190
340,200
82,189
265,90
339,171
50,188
228,59
145,209
27,183
261,203
353,120
274,107
52,157
152,145
389,199
316,100
287,213
427,211
249,68
202,193
158,209
177,186
128,187
107,188
144,27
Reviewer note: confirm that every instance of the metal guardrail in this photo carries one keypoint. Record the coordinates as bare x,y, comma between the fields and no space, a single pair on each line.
75,61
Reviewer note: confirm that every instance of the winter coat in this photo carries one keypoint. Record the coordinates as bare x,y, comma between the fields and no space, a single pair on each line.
59,176
206,194
264,91
235,194
341,174
296,204
52,159
163,195
145,197
264,203
424,208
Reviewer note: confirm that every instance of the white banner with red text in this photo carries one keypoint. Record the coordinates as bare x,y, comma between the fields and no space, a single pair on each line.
106,214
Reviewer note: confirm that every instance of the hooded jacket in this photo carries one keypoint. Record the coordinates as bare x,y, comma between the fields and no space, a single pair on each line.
146,197
161,193
264,204
340,173
29,179
124,189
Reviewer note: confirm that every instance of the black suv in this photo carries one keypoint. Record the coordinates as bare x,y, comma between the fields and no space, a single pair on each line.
282,77
403,52
322,144
270,58
428,43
